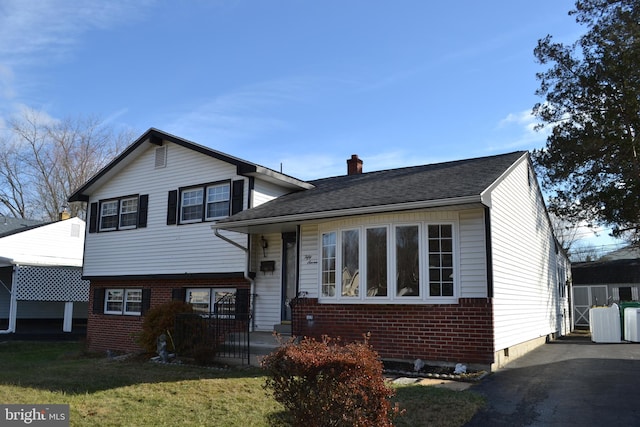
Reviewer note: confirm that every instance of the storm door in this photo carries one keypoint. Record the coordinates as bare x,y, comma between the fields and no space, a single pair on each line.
289,273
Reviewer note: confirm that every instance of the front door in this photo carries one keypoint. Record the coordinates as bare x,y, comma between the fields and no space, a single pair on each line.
289,273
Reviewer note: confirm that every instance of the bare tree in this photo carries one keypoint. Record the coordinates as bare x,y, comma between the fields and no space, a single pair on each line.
46,160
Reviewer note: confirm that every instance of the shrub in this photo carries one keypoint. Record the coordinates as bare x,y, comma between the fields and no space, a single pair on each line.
329,384
161,320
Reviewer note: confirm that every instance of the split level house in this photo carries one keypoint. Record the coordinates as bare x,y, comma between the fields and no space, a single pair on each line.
451,263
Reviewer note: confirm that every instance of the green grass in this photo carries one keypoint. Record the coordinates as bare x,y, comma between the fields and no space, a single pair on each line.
107,392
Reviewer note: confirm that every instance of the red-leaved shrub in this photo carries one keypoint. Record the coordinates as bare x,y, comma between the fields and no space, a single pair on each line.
161,320
325,383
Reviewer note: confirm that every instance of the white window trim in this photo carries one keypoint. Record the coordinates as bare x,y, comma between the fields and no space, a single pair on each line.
107,301
126,301
182,205
227,185
391,298
117,214
125,293
120,213
203,206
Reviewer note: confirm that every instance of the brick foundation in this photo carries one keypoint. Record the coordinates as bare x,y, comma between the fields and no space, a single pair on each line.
449,333
118,333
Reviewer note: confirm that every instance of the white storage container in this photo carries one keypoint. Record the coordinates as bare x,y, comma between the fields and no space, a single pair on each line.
604,323
632,324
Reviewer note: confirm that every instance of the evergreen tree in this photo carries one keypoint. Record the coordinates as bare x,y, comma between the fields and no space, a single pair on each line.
591,162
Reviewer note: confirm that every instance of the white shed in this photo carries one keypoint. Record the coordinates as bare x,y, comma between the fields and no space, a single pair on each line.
41,276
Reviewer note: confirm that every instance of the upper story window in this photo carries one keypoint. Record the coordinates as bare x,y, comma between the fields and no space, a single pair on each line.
118,213
191,206
204,203
396,263
109,215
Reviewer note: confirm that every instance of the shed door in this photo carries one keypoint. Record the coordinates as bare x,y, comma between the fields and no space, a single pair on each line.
585,297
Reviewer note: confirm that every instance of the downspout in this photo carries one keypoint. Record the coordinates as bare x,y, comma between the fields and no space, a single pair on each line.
488,250
216,231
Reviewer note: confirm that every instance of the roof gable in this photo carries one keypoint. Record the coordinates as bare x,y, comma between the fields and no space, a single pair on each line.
440,184
157,137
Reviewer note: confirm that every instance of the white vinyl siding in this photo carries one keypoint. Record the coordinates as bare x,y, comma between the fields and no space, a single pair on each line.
473,260
524,261
264,191
309,260
59,243
160,248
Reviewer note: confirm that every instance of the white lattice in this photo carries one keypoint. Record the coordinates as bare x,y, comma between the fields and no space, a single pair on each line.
51,284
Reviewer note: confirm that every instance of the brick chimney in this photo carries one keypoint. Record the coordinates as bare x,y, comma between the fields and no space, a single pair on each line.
354,165
64,214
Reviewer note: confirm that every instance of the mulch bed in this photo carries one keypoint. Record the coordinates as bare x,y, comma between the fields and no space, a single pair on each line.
407,369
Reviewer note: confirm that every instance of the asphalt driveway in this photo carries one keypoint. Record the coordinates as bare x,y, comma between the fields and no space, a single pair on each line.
567,382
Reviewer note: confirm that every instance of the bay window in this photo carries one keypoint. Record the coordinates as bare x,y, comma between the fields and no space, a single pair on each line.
350,263
394,263
328,279
376,259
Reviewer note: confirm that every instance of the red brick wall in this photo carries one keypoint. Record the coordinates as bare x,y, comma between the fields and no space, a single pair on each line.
457,333
117,333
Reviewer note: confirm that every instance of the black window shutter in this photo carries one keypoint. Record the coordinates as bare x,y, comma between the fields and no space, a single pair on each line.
93,217
146,300
179,294
143,208
98,300
172,207
237,193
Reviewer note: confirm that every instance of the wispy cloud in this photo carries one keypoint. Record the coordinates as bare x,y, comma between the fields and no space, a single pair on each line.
244,113
517,131
38,31
45,31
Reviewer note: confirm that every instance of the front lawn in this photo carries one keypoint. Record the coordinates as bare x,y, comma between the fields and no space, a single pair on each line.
136,392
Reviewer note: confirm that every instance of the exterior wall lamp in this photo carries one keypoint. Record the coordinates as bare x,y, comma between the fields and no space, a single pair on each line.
264,244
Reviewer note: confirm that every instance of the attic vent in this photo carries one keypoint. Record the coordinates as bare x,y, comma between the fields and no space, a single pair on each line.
161,157
75,230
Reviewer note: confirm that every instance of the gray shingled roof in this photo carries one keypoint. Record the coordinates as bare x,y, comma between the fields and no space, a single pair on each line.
442,181
9,226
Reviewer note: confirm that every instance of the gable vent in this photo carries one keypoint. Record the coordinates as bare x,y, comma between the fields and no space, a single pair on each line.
161,157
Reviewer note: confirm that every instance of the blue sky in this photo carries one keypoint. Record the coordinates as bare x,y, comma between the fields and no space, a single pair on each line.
302,84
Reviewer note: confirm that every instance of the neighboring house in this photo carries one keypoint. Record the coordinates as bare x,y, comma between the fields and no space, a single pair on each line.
40,276
451,262
614,278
